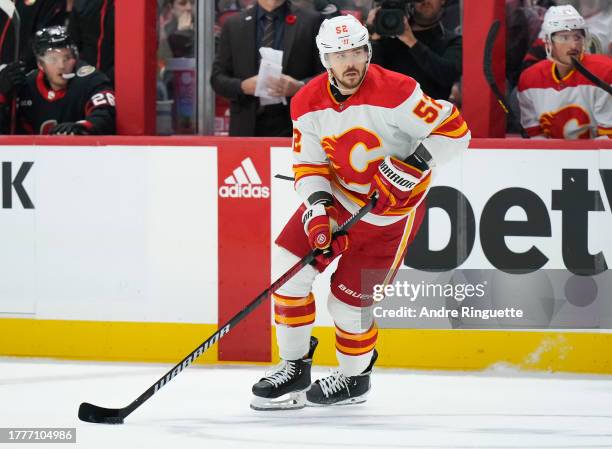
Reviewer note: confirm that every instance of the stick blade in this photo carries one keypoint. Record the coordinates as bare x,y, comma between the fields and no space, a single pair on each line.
99,415
8,7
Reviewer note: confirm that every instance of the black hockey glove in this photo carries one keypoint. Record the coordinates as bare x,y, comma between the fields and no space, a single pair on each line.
69,128
12,76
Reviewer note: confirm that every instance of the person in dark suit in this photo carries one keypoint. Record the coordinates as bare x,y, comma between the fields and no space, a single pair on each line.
270,23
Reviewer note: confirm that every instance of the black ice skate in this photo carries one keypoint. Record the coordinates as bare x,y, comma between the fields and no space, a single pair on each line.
285,387
338,389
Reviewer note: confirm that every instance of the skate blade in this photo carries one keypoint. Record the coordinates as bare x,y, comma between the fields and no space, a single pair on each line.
350,401
291,401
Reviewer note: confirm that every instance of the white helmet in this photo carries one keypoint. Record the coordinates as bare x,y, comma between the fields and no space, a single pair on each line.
341,33
561,18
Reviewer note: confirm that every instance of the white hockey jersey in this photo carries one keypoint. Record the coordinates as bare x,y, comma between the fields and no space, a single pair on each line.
568,108
337,147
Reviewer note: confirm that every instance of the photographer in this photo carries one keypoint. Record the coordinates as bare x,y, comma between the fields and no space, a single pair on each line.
408,37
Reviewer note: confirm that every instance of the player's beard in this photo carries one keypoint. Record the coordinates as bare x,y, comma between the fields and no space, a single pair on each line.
350,83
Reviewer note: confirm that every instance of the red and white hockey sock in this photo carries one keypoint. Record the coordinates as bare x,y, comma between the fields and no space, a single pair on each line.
354,350
294,318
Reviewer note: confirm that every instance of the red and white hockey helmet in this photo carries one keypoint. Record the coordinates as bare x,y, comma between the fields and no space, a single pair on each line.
561,18
339,34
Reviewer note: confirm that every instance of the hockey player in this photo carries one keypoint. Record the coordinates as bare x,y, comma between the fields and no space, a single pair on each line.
557,101
64,96
356,128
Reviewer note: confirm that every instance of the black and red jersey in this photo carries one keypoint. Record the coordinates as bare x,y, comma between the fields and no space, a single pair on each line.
92,28
88,99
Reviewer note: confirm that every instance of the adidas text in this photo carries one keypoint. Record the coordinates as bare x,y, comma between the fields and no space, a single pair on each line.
244,191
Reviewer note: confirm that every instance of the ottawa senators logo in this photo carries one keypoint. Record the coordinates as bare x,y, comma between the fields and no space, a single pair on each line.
354,155
565,122
86,70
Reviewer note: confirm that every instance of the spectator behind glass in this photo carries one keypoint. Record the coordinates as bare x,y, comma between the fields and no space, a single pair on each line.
451,19
426,50
234,73
92,27
356,8
233,5
34,16
176,29
64,96
598,16
557,101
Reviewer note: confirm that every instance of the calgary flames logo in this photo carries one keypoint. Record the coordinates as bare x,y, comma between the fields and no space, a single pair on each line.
354,155
565,122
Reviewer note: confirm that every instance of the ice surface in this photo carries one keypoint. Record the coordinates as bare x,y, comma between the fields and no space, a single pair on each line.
208,407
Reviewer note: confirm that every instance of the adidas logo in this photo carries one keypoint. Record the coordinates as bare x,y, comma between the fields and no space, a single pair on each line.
244,183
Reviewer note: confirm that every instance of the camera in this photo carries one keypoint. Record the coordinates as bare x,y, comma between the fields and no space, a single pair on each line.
390,18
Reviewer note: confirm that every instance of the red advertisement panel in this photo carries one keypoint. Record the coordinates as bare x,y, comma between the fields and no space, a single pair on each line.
244,246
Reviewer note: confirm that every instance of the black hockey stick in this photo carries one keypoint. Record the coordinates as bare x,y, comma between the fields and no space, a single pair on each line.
488,73
17,31
284,177
587,74
101,415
